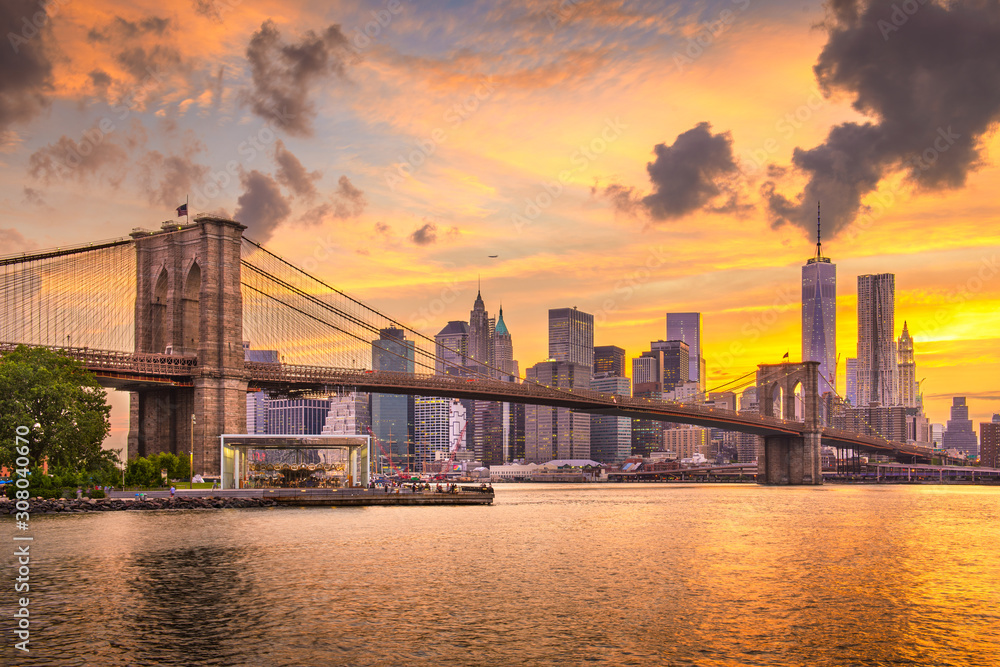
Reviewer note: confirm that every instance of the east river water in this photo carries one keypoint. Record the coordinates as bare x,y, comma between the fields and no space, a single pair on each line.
549,575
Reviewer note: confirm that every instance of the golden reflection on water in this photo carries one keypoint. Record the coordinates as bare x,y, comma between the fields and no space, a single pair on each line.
630,574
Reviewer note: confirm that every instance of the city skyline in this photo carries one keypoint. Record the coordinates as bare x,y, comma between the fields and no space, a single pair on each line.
478,127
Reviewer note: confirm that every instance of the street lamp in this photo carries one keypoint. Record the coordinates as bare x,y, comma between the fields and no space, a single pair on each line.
191,470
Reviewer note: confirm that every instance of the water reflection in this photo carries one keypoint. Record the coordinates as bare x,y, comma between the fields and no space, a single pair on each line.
686,575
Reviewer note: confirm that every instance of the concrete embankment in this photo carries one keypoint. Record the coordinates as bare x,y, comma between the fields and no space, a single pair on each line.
245,498
39,506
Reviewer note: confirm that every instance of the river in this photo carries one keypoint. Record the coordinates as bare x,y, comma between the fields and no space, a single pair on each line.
664,574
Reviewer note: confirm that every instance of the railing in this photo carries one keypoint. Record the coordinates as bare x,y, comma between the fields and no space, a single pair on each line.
125,362
274,373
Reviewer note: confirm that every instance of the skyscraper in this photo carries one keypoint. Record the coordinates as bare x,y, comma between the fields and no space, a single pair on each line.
609,359
571,336
851,371
819,315
503,349
350,414
392,414
877,367
959,433
610,437
687,327
674,360
746,443
432,429
557,433
907,370
452,348
989,443
479,333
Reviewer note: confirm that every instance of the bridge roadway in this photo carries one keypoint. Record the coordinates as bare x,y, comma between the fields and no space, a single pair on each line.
127,371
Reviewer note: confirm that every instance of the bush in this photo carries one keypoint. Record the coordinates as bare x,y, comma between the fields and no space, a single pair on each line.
97,493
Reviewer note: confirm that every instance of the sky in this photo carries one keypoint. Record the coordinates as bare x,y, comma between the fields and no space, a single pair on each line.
627,158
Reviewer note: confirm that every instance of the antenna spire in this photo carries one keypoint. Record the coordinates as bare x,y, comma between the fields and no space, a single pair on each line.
819,243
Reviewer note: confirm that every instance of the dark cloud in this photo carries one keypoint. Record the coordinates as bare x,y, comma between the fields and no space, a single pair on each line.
33,196
293,175
927,79
283,74
96,157
687,176
168,179
25,69
346,202
426,235
123,29
261,207
100,79
144,63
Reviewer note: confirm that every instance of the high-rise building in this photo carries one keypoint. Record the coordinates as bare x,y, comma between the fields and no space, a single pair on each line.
687,327
646,370
557,433
296,416
907,370
511,415
686,441
452,348
989,443
480,339
959,433
674,360
851,370
431,429
877,365
609,359
874,420
503,350
819,315
350,414
610,437
746,443
392,414
571,336
256,412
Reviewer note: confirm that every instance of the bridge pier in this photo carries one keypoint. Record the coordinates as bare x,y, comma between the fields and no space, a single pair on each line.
789,460
188,302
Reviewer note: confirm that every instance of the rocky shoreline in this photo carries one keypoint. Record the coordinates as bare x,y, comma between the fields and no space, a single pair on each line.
63,506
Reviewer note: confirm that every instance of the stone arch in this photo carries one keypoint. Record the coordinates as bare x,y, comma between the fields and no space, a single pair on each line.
790,380
158,312
190,311
797,397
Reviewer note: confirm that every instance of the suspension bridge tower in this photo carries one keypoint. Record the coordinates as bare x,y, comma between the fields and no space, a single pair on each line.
790,459
188,304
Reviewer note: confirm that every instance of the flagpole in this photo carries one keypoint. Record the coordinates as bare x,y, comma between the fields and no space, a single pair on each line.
187,208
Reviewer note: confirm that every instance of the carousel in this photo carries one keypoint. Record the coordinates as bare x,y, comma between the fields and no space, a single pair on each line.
291,461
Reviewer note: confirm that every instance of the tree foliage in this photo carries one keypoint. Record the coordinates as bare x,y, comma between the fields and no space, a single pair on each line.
145,471
62,405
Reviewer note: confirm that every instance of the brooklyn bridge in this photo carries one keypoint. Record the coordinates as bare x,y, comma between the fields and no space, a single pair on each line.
163,314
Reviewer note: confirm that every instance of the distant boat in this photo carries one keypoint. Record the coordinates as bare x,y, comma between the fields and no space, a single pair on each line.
494,256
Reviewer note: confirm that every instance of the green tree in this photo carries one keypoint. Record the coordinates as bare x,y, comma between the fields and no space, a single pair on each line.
62,405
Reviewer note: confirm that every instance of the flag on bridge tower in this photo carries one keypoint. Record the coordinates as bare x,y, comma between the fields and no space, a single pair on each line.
786,356
182,210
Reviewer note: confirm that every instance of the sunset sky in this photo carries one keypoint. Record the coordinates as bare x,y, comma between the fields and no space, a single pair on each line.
627,158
